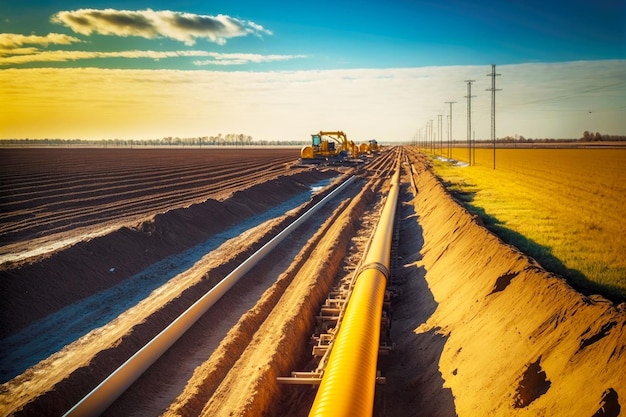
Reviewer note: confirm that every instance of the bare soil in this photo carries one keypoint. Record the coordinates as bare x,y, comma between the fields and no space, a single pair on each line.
479,328
508,337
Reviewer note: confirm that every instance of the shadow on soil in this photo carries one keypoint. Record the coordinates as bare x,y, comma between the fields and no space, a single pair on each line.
42,338
541,253
414,384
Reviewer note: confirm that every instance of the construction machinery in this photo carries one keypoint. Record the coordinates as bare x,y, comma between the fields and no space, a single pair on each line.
373,146
331,147
370,148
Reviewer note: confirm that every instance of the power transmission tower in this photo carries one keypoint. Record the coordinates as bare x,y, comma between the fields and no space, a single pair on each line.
493,90
450,129
469,118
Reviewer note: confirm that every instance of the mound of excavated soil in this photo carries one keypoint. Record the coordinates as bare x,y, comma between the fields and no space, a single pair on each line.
501,336
35,290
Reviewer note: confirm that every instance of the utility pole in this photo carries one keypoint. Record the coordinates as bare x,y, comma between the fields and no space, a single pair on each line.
450,129
431,138
440,128
493,90
474,146
448,136
469,118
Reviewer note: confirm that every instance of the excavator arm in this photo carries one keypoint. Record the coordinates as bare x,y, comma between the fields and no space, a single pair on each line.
340,137
332,145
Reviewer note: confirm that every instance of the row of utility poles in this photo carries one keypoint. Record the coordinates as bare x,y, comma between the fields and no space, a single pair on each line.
430,136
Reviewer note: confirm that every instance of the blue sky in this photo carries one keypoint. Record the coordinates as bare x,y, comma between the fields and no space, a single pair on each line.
350,34
427,47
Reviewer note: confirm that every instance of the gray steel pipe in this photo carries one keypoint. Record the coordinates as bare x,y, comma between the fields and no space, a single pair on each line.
102,396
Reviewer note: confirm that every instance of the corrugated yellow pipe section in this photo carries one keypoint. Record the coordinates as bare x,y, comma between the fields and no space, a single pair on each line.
349,380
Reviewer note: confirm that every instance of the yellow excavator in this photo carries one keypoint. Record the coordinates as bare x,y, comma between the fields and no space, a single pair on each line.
333,147
373,146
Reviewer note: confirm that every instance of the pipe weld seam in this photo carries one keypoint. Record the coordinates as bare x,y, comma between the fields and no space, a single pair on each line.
375,265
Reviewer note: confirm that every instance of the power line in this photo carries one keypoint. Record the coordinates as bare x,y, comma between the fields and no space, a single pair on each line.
571,94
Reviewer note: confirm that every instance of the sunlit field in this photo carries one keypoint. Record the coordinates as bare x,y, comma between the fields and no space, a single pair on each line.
564,207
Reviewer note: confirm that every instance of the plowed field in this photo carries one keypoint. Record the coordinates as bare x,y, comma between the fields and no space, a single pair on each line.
46,192
102,248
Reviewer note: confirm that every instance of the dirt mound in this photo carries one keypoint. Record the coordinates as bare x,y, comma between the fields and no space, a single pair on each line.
516,340
36,289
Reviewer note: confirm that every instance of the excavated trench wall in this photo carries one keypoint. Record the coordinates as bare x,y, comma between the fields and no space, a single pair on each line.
34,289
518,340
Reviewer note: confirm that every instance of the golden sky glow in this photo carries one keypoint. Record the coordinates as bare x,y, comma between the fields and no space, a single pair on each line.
538,100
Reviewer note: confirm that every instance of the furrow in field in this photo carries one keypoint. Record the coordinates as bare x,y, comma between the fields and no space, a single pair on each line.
77,184
143,196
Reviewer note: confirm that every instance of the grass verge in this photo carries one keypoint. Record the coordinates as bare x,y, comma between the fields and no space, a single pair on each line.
563,207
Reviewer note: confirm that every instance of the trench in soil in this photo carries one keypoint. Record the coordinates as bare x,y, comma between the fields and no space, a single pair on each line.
480,329
50,334
222,262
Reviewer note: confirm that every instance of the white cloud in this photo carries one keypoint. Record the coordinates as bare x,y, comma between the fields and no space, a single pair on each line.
240,59
150,24
62,56
11,43
16,49
30,55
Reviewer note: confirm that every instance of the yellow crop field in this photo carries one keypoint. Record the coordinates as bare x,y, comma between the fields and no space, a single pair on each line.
564,207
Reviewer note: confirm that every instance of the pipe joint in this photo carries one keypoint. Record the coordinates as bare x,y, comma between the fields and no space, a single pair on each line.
375,265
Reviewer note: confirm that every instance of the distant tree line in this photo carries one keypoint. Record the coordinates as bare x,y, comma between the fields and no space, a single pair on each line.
240,139
230,139
587,137
598,137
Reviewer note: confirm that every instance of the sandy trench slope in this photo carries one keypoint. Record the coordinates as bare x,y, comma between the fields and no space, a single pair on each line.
509,338
480,328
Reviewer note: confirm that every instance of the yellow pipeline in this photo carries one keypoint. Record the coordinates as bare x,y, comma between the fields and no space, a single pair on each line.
348,383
